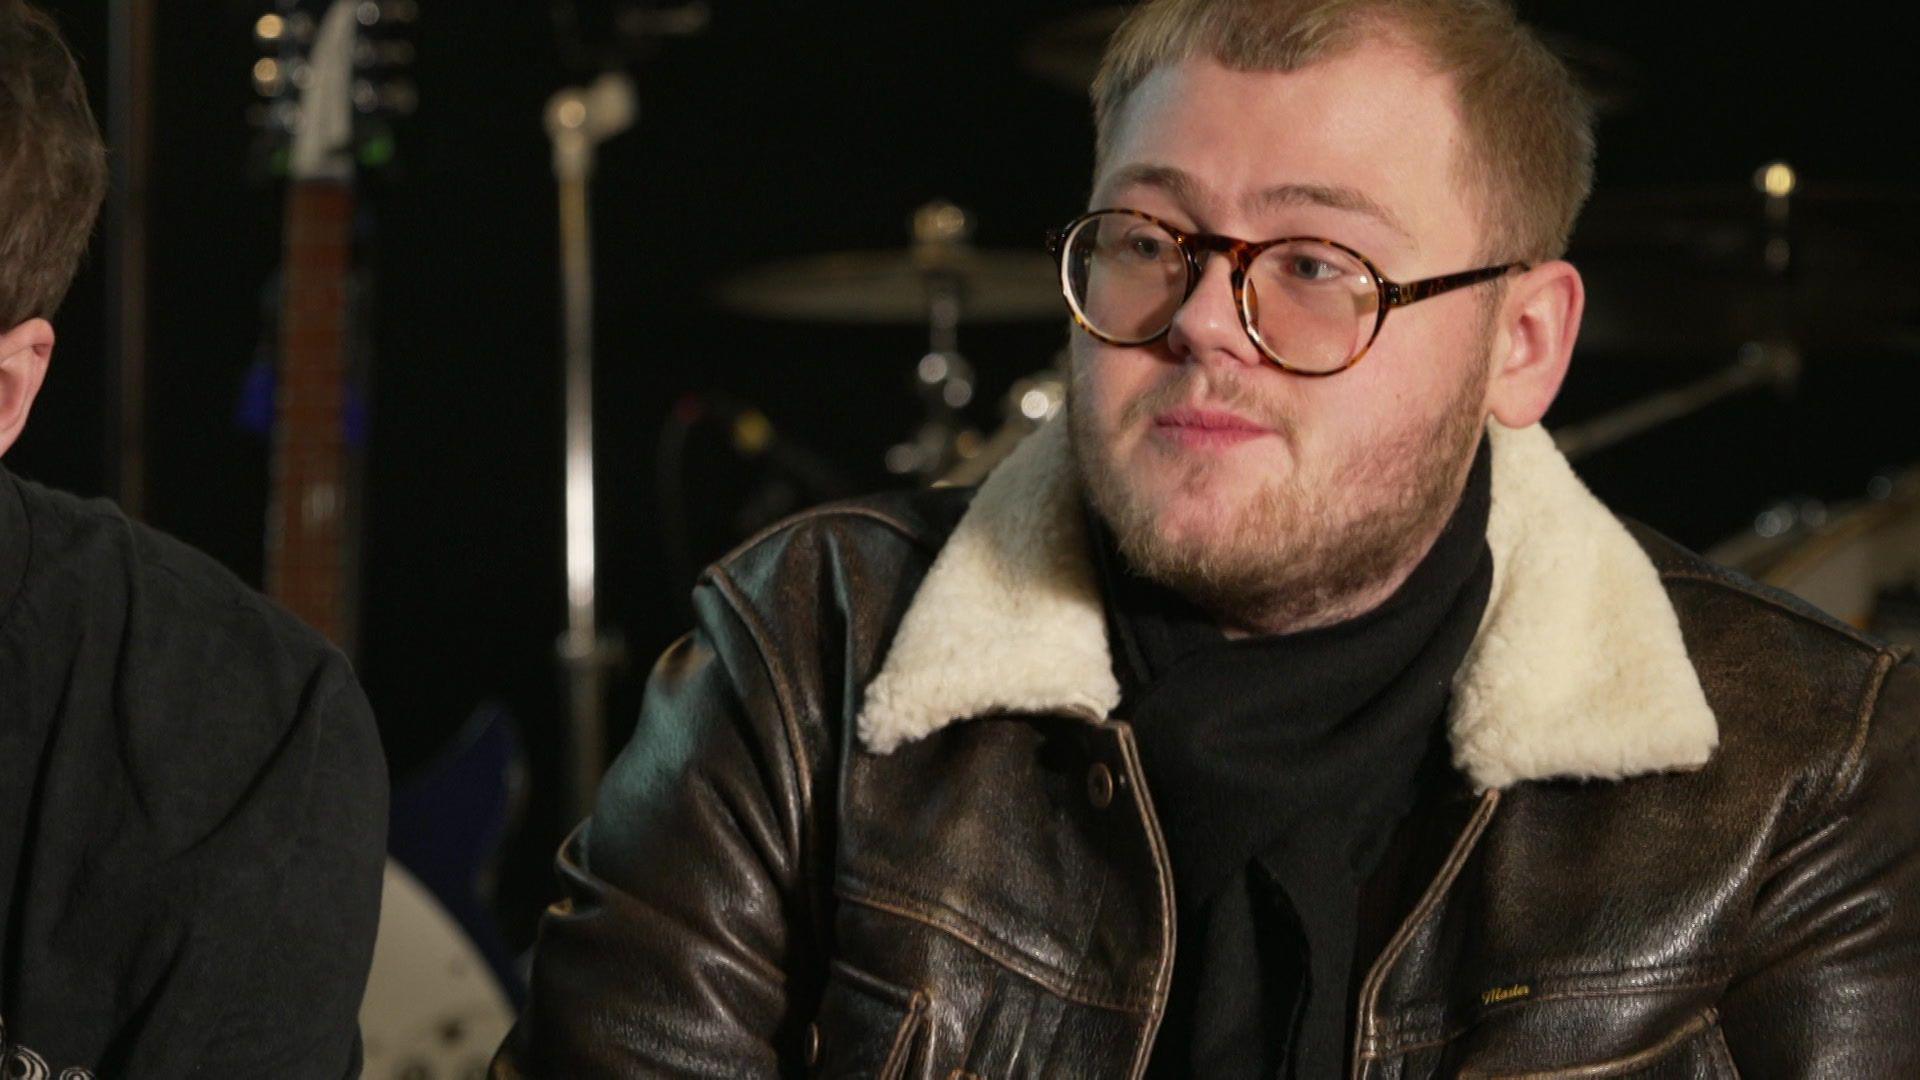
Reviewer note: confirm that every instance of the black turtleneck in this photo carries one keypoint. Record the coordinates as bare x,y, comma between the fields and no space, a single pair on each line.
1281,767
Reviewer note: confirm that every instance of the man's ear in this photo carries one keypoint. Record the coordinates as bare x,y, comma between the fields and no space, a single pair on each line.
24,352
1533,342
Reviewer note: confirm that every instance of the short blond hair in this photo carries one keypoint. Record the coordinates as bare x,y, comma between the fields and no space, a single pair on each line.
1529,126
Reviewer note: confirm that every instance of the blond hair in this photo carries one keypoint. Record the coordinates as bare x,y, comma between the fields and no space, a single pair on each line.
1529,127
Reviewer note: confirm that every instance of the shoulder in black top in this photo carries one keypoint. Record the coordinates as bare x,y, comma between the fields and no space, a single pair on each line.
192,811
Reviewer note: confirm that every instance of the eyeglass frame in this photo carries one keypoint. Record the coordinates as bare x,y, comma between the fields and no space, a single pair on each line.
1242,253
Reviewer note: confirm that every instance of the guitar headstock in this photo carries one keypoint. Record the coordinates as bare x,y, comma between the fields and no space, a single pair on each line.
332,75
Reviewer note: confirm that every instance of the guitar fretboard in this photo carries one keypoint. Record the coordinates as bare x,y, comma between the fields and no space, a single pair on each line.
307,533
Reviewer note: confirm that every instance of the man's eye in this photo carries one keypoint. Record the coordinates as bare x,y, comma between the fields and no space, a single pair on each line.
1308,268
1145,247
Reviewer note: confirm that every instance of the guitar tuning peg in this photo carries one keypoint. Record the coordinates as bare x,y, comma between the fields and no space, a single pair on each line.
270,29
395,12
397,98
369,53
269,77
400,97
284,116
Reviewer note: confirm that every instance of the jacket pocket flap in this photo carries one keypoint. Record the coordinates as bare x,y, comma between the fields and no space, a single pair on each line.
866,1026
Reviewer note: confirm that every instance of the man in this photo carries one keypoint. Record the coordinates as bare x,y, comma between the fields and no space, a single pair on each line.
192,795
1291,710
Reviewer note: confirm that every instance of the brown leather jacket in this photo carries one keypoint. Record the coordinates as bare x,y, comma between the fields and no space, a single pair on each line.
875,822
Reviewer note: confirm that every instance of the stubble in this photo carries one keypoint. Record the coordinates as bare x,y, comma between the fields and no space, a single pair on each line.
1310,547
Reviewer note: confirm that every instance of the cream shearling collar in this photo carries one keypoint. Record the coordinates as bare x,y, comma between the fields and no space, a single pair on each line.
1578,669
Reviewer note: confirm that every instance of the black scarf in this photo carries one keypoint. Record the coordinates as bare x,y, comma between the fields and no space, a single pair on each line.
1281,767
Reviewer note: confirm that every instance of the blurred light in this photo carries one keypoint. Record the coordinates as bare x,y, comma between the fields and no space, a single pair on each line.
368,13
902,459
941,222
266,76
933,368
1036,404
572,114
752,433
270,28
1777,180
377,152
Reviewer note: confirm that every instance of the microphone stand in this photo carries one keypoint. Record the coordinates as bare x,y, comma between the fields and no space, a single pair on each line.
578,120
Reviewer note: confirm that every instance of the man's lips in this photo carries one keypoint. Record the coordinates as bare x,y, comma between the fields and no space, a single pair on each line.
1189,426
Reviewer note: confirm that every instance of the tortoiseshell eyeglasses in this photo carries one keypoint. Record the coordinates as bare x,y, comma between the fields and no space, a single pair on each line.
1312,306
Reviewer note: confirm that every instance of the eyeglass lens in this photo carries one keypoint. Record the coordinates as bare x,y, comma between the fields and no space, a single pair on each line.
1310,306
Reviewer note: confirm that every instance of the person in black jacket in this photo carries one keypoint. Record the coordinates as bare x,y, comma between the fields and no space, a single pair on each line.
192,792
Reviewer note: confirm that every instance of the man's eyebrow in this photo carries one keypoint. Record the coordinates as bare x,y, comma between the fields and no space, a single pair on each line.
1351,200
1183,187
1189,193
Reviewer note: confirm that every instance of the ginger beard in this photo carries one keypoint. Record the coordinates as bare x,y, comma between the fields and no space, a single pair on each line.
1323,541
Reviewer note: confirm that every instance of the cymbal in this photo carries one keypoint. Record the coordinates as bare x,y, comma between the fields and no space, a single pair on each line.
1687,268
1643,311
900,286
1729,222
1067,52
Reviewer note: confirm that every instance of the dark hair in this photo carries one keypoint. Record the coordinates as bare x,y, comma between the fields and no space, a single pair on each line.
53,167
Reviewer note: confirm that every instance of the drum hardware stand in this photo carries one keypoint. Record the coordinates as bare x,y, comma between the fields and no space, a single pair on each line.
578,120
1032,402
1774,359
1777,182
942,233
1776,364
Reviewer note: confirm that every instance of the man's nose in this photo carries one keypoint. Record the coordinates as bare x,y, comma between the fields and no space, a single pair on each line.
1207,328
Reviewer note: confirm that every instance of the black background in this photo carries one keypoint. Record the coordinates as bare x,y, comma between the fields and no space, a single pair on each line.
792,128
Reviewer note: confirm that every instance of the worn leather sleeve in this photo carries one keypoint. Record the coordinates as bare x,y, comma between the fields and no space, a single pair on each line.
681,936
1832,985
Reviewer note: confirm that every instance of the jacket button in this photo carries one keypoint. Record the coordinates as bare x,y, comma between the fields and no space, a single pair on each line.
813,1044
1100,786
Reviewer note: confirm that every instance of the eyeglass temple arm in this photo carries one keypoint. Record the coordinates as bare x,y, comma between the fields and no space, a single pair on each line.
1399,295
